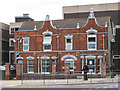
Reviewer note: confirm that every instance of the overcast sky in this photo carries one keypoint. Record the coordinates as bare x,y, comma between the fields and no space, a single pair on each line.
38,9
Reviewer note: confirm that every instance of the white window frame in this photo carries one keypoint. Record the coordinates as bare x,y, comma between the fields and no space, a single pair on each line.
47,43
94,65
11,30
26,38
89,36
100,65
66,44
30,65
11,39
41,67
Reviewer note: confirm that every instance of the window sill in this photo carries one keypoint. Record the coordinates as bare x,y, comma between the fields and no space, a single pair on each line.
30,72
45,72
47,50
92,49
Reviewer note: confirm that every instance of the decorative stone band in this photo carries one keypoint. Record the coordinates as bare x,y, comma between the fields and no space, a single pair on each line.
45,57
99,57
91,30
69,36
90,57
25,38
68,56
47,32
30,57
18,58
54,57
82,57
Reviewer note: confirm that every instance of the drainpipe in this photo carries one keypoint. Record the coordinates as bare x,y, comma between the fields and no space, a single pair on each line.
18,44
58,54
104,47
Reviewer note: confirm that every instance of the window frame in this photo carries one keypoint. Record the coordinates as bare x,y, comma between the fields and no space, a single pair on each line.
44,65
66,44
99,65
44,37
30,65
92,65
26,38
88,43
11,39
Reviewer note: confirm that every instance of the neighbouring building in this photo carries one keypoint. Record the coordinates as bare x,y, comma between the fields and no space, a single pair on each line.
63,47
108,9
12,28
4,43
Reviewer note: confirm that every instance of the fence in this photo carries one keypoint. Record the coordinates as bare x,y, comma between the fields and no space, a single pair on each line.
76,78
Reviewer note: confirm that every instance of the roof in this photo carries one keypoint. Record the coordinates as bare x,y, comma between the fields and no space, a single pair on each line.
64,23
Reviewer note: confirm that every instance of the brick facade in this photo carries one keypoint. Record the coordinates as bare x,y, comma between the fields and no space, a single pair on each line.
79,53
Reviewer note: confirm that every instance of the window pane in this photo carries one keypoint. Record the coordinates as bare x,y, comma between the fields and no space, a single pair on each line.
98,61
30,66
53,61
47,47
47,35
25,42
69,40
12,43
16,29
12,30
45,65
91,39
91,46
91,65
99,68
68,46
25,47
31,62
12,58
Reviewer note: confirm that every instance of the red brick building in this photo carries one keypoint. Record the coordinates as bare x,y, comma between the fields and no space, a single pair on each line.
64,46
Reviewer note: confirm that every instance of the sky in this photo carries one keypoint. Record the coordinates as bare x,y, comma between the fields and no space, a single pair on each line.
38,9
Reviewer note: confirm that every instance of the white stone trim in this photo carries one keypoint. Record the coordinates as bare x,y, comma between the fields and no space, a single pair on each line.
19,58
91,14
82,57
45,57
90,57
118,57
25,37
47,32
99,57
91,30
68,56
54,57
30,57
68,36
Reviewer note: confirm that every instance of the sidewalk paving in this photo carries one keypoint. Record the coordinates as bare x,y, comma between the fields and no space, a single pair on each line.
15,83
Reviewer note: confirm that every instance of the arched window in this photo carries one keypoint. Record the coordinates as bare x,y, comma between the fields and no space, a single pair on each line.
91,39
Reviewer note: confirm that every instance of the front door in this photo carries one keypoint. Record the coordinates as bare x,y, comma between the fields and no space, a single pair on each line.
71,61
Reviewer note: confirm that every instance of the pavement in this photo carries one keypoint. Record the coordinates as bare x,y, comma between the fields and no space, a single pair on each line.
60,82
